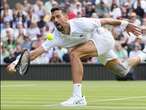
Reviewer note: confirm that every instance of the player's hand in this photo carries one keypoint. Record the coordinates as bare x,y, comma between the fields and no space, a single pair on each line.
134,29
11,68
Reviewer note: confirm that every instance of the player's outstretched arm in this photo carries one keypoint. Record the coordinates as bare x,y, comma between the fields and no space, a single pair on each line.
33,55
110,21
37,52
125,25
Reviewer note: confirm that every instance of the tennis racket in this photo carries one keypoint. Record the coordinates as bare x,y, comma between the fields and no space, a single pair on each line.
23,63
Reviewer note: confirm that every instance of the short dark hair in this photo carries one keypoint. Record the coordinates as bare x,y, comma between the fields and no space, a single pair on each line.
55,9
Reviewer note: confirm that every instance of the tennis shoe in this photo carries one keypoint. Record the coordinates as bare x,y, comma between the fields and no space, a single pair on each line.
75,101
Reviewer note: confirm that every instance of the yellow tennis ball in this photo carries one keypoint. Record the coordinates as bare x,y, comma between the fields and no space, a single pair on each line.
50,36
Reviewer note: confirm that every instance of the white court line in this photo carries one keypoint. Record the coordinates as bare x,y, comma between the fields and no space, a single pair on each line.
85,107
25,102
81,107
19,85
36,85
35,95
26,105
124,98
105,100
118,107
53,105
45,85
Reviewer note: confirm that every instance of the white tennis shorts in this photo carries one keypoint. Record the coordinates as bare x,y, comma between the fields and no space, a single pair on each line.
104,43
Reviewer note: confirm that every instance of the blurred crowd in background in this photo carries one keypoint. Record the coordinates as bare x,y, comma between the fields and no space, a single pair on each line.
25,26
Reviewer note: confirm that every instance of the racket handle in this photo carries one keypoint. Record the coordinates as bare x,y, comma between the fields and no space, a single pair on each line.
17,60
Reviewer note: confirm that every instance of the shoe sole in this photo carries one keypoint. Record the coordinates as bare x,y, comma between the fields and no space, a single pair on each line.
77,105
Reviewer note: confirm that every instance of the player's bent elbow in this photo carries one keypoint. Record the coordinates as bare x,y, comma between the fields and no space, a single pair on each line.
74,55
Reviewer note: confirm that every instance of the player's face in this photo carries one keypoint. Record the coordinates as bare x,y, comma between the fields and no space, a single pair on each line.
59,20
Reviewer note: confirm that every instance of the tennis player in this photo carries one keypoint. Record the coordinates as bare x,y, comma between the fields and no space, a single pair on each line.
86,37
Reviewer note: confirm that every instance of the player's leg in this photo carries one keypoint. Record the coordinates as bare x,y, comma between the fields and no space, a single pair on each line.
99,44
116,67
87,49
112,63
133,61
122,68
77,72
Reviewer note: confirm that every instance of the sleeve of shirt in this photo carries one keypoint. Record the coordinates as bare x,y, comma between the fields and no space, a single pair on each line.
57,41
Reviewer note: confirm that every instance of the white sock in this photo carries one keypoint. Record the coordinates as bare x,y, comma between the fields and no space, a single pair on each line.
77,90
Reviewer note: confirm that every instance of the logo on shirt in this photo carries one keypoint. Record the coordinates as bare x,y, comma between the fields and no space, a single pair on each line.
81,35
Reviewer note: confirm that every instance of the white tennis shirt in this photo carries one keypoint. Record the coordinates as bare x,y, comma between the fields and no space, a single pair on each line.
81,30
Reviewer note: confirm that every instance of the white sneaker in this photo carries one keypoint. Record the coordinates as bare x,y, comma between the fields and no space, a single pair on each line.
75,101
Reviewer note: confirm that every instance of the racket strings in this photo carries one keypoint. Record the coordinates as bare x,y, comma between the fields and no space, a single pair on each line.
24,63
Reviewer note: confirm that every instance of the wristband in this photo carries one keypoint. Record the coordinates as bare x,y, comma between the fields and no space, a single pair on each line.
124,24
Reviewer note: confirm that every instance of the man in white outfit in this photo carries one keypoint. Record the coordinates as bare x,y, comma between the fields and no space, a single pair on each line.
85,37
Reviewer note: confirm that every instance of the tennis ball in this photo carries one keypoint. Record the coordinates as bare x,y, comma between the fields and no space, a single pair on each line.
50,36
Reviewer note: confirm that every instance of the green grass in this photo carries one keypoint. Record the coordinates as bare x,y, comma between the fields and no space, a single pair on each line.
46,95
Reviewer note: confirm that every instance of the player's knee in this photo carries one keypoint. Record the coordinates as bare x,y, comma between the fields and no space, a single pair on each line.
73,54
